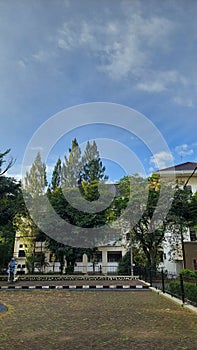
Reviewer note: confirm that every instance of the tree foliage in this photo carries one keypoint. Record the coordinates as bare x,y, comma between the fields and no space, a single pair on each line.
93,169
72,165
11,202
57,175
35,179
5,165
139,200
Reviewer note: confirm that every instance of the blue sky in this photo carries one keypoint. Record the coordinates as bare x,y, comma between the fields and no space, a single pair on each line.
59,54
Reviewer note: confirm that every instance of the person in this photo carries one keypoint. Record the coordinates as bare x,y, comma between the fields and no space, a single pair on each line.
11,267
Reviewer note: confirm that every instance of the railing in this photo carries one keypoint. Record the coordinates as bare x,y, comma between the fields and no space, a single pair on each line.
179,286
97,269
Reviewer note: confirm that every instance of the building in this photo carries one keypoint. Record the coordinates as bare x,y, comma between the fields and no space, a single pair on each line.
105,260
185,174
108,256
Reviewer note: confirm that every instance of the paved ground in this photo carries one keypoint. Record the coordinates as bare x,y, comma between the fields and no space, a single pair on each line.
81,320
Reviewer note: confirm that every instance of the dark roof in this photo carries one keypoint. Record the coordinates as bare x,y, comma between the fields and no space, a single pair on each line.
188,166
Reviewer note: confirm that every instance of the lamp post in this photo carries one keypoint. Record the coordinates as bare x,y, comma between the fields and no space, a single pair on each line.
131,252
129,246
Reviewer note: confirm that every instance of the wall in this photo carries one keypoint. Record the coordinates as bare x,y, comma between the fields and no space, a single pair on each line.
190,254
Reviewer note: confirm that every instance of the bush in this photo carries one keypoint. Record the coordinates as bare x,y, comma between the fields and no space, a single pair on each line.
124,265
187,273
174,288
190,290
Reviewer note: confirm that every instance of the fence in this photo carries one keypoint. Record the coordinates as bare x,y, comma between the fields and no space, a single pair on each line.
181,286
97,269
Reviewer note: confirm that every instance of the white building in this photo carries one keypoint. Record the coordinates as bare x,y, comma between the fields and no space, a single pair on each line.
105,261
185,175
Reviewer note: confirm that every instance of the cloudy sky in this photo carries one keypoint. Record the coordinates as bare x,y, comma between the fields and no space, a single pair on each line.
57,54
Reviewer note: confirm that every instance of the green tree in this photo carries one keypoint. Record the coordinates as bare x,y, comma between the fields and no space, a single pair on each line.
192,208
181,216
92,173
72,166
34,189
56,176
93,169
145,217
10,202
35,179
8,164
27,231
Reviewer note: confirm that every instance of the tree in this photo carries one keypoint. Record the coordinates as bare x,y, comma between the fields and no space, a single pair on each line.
34,188
35,179
92,173
64,252
146,219
192,209
93,169
11,202
72,166
9,164
56,176
27,230
181,216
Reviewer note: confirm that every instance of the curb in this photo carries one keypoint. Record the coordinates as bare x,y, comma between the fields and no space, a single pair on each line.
74,287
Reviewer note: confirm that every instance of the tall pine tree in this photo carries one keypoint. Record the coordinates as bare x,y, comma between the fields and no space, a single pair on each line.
92,173
56,176
93,169
72,166
35,179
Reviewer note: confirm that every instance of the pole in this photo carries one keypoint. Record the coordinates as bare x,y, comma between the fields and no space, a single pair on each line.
163,281
182,289
131,252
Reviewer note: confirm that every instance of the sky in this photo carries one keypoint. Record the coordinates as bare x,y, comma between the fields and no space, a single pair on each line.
72,54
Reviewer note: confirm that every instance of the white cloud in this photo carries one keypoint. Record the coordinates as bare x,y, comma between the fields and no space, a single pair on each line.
74,36
161,159
18,177
36,148
184,150
123,48
161,81
22,64
183,101
41,56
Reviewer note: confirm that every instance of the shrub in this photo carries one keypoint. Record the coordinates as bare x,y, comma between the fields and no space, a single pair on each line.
174,288
190,290
187,273
124,266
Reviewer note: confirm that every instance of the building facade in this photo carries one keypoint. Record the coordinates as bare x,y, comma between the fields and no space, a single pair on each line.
105,260
185,174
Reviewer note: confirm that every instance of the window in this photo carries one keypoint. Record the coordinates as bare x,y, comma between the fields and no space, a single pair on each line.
21,246
21,254
195,265
114,256
193,235
98,257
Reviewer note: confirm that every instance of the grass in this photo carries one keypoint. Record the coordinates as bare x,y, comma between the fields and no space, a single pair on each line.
85,320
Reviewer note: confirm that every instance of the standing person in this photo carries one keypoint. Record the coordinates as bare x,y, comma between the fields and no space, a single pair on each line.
11,268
